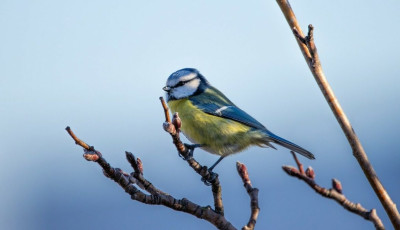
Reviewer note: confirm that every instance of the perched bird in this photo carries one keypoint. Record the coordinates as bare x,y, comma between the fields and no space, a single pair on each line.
212,122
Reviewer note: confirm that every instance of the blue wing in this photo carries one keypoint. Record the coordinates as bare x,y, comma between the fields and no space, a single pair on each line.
213,102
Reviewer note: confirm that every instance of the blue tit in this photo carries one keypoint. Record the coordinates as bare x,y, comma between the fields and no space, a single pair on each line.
213,122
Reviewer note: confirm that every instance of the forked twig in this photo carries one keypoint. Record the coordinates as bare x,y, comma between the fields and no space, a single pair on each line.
309,50
335,193
173,128
131,182
155,196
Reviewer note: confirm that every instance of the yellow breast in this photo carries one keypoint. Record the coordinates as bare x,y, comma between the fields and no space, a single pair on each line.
219,135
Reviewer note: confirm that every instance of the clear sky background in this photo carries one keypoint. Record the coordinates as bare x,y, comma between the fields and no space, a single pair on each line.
99,66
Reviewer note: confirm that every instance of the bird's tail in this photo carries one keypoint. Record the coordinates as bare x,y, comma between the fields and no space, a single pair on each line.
287,144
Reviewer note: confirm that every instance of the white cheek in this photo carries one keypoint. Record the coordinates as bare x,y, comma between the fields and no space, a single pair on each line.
187,89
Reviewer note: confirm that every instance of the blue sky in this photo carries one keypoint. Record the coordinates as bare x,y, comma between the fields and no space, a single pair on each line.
99,66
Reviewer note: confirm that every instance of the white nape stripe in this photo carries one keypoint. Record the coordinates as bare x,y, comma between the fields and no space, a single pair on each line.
187,77
172,82
219,111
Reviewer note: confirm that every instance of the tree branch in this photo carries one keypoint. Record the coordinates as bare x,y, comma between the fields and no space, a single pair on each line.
156,197
309,50
253,193
335,193
173,128
76,139
131,182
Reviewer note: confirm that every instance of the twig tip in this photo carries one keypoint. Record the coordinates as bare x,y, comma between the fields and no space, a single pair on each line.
129,156
140,165
242,170
337,185
176,121
240,166
310,172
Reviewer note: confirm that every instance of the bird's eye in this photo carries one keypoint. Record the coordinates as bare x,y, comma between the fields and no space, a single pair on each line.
181,83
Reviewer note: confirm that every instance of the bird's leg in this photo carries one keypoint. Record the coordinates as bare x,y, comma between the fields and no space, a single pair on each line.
213,175
215,164
190,149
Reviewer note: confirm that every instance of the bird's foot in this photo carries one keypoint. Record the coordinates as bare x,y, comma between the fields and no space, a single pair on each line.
190,148
210,179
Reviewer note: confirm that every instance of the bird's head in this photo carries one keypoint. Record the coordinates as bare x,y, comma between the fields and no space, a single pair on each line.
185,83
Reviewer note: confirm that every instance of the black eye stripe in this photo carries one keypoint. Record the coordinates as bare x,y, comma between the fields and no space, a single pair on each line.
181,83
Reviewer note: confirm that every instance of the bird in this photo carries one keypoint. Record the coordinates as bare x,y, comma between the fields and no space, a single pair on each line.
213,122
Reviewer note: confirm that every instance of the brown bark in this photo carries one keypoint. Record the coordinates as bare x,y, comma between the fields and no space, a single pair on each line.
335,193
309,50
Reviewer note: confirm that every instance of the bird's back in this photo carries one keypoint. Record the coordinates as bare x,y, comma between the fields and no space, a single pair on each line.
220,136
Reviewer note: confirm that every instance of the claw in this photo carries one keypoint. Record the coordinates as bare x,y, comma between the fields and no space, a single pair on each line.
190,149
208,181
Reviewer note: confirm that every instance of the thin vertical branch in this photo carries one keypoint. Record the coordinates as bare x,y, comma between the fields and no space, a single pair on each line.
253,193
173,128
307,47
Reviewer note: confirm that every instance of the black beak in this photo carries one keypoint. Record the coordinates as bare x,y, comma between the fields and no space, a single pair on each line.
166,88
